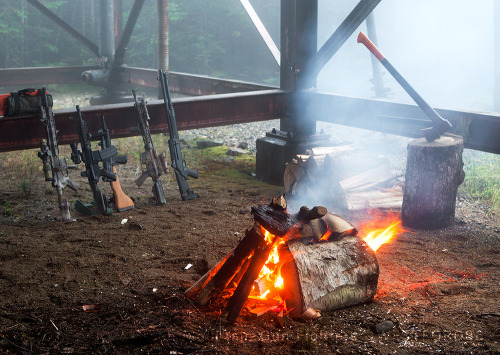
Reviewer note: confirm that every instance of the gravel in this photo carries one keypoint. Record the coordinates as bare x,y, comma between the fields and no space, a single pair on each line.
234,135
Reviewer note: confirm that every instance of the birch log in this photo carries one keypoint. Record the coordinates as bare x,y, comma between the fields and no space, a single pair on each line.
334,275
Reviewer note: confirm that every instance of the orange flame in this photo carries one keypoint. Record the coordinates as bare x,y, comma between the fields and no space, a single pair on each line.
381,230
327,235
270,279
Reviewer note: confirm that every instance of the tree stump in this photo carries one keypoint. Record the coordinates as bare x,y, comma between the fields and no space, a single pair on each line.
434,170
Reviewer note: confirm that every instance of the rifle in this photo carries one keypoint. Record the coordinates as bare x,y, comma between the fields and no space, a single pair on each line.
121,201
178,163
156,164
92,169
55,168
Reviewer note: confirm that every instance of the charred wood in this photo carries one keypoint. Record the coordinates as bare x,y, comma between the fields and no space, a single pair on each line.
275,221
241,293
252,240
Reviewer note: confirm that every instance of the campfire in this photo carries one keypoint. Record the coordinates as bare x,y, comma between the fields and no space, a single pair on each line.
298,264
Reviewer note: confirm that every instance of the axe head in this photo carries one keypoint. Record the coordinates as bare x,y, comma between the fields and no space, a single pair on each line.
434,132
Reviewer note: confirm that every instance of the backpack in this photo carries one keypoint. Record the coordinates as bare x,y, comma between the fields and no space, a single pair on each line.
22,102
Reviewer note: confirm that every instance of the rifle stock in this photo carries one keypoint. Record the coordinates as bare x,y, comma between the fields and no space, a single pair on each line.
178,163
122,201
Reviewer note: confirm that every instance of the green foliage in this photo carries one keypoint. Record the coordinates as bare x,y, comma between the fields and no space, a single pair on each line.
25,187
28,38
7,209
208,37
482,177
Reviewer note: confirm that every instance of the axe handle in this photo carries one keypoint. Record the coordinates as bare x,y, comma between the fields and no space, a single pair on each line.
436,119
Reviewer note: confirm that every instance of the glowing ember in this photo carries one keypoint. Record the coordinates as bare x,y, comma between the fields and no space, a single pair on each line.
327,235
279,282
381,230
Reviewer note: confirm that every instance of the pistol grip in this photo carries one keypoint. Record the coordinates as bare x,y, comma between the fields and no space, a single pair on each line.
142,178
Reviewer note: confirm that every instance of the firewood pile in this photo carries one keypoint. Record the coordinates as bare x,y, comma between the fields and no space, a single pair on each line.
343,178
298,264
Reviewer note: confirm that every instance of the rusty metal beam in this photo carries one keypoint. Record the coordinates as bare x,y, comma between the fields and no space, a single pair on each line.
191,84
127,32
25,132
42,75
336,40
481,131
183,83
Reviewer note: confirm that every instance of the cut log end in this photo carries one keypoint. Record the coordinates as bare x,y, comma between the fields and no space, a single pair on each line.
334,275
434,170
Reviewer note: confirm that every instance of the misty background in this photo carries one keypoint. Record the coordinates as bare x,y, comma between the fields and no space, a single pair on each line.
444,48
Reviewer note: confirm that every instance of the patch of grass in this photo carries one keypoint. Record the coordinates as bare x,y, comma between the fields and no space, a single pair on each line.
21,164
482,178
7,209
25,186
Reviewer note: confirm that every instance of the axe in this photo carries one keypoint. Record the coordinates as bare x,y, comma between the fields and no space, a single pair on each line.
440,125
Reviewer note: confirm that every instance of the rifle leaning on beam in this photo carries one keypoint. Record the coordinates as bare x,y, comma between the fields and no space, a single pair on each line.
156,164
178,163
55,168
91,160
120,200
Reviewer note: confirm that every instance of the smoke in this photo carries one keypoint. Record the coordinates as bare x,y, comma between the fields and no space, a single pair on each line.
444,49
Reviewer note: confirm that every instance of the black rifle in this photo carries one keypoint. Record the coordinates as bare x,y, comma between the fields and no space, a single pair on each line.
55,168
178,163
91,160
156,164
121,201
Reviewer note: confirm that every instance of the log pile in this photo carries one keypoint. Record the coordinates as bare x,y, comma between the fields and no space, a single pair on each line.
342,178
323,263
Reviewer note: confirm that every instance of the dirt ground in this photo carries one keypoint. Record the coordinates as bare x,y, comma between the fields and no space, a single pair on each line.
102,286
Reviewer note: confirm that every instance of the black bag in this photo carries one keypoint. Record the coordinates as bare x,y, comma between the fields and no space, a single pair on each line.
25,102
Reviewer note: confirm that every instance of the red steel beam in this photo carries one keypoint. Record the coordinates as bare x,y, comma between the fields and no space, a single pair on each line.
183,83
42,75
25,132
191,84
481,131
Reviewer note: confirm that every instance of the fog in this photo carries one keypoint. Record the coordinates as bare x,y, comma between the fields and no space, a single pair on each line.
444,49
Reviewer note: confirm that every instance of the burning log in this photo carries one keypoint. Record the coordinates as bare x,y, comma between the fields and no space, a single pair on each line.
331,275
327,268
433,174
252,240
240,296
